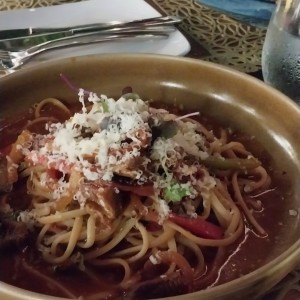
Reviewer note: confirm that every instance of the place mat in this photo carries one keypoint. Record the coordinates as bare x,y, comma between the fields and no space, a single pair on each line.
17,4
226,41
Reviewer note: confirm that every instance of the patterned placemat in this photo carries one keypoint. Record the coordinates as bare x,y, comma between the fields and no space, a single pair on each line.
227,41
17,4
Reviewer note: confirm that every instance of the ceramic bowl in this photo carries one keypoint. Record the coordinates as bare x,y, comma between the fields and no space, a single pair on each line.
233,98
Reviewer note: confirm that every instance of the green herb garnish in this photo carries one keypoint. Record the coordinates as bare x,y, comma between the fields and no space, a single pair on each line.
175,192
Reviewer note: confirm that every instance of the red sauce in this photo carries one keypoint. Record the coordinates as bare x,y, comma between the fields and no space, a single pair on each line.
244,256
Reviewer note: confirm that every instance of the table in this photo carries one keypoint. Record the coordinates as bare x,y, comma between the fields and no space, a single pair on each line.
213,37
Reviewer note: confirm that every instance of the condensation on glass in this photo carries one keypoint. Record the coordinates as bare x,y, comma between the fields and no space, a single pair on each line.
281,50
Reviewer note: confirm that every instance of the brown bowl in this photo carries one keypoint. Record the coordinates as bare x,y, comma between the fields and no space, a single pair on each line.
233,98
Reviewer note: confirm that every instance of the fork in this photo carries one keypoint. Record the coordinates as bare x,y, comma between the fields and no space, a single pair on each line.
13,60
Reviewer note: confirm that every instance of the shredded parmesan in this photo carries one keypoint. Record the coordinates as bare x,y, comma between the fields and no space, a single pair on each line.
105,136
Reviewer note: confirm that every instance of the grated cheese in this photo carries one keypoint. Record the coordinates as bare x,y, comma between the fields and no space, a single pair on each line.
106,135
68,144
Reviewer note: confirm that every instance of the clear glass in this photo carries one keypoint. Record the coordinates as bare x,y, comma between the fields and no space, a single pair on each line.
281,49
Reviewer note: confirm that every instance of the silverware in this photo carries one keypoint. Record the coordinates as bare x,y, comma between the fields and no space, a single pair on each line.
148,22
13,60
38,40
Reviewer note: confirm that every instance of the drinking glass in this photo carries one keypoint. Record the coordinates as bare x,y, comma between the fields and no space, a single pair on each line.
281,49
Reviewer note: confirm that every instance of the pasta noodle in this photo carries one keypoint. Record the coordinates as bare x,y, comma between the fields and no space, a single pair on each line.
127,186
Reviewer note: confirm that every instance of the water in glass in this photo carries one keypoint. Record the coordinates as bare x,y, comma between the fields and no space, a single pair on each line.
281,50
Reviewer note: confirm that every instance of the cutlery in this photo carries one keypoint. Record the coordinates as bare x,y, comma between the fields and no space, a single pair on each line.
38,40
13,60
148,22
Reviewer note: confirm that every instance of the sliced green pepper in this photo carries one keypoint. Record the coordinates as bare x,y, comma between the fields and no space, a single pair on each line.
241,164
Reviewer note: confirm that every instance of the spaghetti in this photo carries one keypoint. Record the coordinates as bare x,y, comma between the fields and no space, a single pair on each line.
125,185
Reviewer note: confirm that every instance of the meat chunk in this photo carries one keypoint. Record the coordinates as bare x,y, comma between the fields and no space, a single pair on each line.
104,202
4,185
108,200
12,233
131,168
160,288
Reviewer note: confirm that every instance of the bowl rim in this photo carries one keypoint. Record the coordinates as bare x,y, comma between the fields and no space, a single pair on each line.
290,256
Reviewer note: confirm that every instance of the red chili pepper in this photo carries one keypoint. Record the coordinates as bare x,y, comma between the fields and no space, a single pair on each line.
198,227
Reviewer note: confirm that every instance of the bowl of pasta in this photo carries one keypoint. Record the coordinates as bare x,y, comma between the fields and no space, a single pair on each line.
145,177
